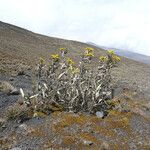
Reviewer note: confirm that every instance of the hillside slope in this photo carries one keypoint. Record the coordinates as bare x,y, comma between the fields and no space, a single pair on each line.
22,44
134,56
22,48
126,53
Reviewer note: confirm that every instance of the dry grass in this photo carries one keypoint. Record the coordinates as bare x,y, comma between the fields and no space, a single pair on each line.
18,112
6,87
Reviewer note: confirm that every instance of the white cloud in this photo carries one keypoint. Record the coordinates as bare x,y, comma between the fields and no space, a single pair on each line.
113,23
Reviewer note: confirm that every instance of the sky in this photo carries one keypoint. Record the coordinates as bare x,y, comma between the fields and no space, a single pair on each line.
123,24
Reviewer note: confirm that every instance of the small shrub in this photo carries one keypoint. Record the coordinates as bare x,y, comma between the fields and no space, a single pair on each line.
19,113
6,87
73,87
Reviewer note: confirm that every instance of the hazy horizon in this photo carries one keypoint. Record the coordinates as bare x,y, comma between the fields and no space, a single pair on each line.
110,23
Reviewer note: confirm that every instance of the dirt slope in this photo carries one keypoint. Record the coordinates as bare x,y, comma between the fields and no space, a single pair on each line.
20,48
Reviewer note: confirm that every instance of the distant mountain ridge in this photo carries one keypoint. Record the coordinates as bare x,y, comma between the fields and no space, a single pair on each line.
126,53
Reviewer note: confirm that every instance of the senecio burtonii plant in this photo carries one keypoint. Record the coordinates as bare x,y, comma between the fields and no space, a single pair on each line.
74,87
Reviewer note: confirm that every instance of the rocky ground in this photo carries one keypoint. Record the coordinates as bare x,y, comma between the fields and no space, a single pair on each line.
126,127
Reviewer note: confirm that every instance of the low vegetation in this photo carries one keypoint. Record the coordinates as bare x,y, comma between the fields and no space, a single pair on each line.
64,85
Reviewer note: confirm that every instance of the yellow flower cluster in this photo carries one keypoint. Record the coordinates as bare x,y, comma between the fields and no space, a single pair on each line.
103,58
116,58
89,49
70,61
55,57
42,61
63,49
89,52
111,52
74,70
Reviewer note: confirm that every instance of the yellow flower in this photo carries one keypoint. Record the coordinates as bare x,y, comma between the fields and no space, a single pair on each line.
63,50
42,61
89,54
70,61
74,70
89,49
116,58
111,52
103,58
55,57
